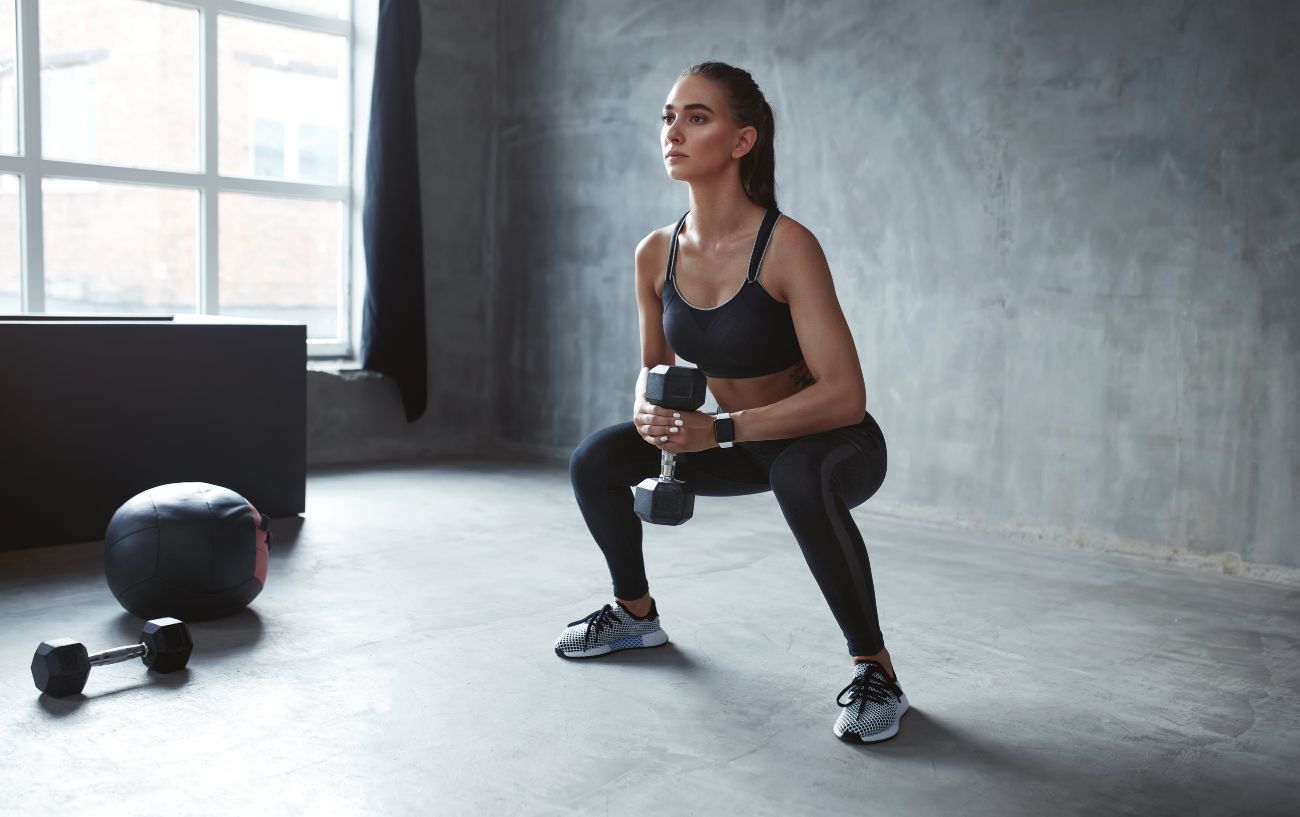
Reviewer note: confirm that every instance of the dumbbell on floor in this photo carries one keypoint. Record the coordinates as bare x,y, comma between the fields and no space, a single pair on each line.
60,667
667,500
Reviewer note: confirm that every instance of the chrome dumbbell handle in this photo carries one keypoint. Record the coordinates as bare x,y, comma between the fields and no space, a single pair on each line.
118,654
667,466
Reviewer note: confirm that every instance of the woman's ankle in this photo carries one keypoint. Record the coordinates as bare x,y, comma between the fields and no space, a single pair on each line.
639,607
881,658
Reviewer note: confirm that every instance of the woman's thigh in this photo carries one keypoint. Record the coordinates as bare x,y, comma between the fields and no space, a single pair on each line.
721,472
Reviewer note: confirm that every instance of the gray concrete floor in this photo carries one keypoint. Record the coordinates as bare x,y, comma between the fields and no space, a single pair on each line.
400,662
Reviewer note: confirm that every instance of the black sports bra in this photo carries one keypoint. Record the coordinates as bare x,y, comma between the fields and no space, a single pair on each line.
749,335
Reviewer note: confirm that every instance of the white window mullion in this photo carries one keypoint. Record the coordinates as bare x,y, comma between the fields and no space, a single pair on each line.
29,94
170,178
344,280
353,261
268,14
362,40
209,283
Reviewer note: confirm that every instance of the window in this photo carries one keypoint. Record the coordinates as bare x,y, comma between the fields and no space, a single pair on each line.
8,79
171,156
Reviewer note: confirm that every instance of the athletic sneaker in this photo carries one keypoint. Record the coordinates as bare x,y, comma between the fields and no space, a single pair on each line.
610,628
875,705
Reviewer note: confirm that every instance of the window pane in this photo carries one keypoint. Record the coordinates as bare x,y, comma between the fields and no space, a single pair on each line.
268,148
324,8
10,249
8,78
281,102
318,153
119,83
120,247
281,259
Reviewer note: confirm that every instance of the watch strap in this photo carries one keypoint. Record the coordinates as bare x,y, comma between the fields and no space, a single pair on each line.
724,430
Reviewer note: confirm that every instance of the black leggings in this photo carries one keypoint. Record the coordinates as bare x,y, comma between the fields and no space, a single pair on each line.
816,480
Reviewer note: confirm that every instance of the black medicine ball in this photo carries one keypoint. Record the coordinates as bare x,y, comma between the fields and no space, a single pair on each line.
189,550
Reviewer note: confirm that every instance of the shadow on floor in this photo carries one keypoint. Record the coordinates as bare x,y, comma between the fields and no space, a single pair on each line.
62,707
212,639
57,563
284,533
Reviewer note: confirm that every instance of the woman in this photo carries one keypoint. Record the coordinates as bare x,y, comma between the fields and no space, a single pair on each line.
745,293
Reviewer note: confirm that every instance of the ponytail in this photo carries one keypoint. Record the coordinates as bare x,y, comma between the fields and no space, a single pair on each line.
748,107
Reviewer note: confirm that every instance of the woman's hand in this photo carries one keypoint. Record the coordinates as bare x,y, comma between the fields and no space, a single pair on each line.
676,432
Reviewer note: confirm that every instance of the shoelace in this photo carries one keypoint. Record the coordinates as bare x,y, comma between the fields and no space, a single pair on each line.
595,621
872,685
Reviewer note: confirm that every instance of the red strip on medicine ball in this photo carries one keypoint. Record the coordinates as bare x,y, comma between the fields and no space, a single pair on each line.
262,556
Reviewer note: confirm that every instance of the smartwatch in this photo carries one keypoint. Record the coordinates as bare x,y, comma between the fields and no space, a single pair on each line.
724,430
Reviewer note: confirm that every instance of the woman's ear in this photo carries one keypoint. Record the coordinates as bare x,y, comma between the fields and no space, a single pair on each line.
745,141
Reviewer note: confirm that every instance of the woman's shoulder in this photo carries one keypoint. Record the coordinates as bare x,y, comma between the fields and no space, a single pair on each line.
652,251
791,232
791,251
652,257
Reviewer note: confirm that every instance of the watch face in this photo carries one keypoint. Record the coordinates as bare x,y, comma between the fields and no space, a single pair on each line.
724,431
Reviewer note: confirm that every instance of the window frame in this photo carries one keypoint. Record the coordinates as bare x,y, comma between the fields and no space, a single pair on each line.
32,167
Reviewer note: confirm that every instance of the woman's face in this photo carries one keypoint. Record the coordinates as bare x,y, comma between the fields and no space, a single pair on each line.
698,125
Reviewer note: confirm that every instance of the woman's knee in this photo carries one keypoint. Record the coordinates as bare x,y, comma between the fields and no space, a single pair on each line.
811,468
604,454
796,475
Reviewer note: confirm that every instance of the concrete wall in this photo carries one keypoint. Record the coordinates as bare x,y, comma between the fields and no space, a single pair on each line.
1065,236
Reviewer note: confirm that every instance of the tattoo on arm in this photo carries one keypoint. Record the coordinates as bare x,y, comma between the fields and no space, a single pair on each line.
801,375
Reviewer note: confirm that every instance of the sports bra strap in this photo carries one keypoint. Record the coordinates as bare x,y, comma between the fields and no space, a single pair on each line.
672,252
764,234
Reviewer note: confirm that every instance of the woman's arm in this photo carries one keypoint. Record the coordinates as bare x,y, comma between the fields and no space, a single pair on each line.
650,310
838,396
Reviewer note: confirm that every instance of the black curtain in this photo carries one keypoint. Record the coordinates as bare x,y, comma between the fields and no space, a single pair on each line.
392,323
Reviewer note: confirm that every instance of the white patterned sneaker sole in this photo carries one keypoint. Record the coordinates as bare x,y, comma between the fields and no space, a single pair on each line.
851,736
658,638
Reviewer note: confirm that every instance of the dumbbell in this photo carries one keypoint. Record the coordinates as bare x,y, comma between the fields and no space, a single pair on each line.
667,500
60,667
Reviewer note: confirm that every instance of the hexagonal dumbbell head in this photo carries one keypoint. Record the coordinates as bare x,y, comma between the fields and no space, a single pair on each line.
169,644
676,387
60,667
664,502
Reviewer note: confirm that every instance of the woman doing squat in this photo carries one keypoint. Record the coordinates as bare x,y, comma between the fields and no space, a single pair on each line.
745,293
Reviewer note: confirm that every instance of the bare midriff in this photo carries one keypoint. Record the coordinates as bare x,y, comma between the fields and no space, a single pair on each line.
740,393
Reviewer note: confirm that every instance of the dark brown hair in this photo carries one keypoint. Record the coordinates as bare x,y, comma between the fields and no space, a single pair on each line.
748,107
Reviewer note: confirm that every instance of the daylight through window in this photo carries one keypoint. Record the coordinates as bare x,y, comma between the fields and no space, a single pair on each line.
163,157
